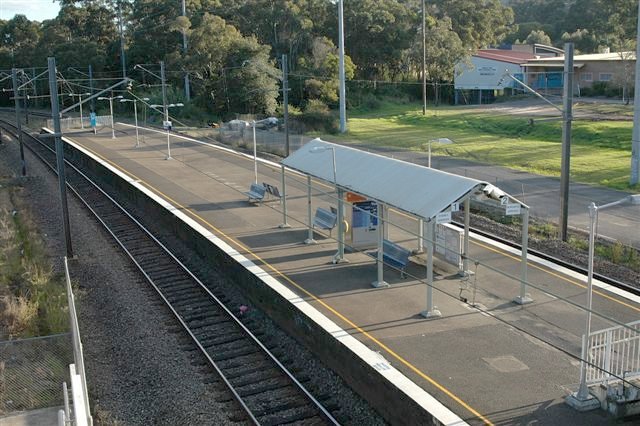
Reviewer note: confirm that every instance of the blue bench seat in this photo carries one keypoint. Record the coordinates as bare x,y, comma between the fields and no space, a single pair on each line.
256,192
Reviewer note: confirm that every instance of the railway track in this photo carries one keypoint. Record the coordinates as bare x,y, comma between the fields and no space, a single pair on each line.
266,391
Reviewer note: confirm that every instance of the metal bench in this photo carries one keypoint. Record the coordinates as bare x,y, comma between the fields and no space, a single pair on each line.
272,191
256,192
325,219
394,255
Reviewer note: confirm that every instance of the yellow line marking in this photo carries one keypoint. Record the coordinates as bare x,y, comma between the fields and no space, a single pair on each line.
562,277
311,295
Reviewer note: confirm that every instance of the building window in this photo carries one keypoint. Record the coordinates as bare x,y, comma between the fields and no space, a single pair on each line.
606,76
586,76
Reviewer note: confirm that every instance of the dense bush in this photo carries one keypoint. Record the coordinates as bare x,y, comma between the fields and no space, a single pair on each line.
318,117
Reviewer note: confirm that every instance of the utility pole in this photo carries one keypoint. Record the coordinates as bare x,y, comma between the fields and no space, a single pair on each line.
122,57
635,139
567,117
55,115
164,92
187,91
16,98
343,105
93,101
424,60
165,107
285,100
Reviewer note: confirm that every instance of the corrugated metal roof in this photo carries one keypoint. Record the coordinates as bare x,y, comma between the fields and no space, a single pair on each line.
415,189
511,56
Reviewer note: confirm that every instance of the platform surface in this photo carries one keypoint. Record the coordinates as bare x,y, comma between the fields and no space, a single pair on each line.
496,363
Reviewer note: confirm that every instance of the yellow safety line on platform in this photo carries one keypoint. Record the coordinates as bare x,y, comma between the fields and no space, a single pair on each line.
321,302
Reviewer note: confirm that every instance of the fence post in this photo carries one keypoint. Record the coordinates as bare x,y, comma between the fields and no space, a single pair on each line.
607,355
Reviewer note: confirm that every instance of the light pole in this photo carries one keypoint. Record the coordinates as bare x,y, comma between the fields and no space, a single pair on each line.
110,99
582,398
135,114
442,141
79,95
255,156
341,72
167,125
339,256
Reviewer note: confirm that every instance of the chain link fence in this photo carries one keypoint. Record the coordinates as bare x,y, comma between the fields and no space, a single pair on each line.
32,371
271,141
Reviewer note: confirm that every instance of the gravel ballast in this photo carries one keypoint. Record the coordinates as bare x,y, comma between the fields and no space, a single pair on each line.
139,366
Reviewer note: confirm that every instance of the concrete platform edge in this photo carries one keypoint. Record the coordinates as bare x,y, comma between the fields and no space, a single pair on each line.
395,397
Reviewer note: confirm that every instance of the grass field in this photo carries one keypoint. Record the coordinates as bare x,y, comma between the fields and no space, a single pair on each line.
600,151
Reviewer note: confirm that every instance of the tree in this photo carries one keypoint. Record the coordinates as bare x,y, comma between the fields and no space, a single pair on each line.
379,32
323,66
231,73
538,37
19,38
478,23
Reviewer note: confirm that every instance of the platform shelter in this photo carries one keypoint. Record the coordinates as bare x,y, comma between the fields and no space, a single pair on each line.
428,194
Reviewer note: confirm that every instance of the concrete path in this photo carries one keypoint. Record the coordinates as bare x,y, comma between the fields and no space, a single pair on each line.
42,417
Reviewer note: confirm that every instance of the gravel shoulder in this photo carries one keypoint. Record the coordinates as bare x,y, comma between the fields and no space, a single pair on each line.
138,370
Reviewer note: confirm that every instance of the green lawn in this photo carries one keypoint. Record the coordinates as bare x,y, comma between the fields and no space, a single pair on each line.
600,152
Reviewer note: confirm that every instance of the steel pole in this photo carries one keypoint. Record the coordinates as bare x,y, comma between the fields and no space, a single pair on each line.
424,61
567,117
343,107
81,118
583,390
166,110
309,239
122,56
135,115
93,101
187,90
255,153
16,98
283,197
285,99
113,131
431,311
55,115
524,298
467,214
635,139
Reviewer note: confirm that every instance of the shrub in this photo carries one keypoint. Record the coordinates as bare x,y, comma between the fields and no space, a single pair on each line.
318,117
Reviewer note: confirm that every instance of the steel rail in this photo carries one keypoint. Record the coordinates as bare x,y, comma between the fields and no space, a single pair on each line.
322,410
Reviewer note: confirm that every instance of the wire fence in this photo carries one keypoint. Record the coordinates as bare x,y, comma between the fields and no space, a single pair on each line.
271,141
32,371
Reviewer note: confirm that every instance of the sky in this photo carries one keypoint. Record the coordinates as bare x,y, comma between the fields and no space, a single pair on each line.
35,10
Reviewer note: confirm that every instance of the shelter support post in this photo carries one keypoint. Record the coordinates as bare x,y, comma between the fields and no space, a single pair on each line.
309,239
283,182
385,213
339,256
420,248
524,297
431,311
465,255
380,282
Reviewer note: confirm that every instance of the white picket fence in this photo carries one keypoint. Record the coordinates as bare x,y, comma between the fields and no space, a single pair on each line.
81,413
614,354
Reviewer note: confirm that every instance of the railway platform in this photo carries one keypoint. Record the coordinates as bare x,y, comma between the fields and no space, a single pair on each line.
487,360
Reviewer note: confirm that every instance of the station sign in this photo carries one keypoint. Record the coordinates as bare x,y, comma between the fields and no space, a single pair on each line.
513,209
443,217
